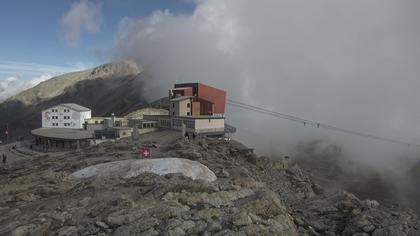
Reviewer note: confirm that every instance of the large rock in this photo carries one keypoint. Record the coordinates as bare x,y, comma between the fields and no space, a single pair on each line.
161,166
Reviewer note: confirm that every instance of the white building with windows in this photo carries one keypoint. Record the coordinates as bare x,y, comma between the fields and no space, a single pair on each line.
66,115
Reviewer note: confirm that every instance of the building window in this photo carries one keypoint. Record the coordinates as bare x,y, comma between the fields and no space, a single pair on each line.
173,105
177,123
188,105
173,113
188,113
190,124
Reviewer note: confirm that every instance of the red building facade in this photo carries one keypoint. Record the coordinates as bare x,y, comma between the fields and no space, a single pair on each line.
212,101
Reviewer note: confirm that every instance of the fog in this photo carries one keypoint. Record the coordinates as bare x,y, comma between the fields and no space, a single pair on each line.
351,64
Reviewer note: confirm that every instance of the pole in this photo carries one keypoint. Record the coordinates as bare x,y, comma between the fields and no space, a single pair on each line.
7,133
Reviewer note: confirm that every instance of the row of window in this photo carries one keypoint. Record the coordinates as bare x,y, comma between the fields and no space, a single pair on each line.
56,110
165,123
56,124
188,123
56,117
148,125
188,113
188,105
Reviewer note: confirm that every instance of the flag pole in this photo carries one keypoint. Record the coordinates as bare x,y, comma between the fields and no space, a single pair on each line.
7,133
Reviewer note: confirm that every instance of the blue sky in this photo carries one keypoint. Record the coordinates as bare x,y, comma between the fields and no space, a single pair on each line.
31,33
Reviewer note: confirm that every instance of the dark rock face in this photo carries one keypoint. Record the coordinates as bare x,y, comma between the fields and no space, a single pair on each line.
252,196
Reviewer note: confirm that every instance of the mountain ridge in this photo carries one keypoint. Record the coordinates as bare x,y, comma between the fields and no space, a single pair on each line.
109,88
56,85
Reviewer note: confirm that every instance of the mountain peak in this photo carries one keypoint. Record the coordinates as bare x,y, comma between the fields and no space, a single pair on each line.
116,69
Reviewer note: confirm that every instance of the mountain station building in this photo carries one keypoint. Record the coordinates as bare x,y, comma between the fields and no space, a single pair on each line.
62,128
66,115
195,109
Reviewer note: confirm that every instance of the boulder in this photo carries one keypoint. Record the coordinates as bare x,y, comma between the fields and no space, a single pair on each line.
161,166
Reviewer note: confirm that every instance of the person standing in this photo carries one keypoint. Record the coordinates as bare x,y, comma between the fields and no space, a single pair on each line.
4,159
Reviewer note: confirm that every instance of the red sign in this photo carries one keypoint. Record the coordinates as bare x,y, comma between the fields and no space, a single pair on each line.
145,152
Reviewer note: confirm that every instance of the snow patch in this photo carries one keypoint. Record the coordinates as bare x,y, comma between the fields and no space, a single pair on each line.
162,166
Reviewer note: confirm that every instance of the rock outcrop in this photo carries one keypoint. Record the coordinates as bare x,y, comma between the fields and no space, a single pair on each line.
252,195
161,166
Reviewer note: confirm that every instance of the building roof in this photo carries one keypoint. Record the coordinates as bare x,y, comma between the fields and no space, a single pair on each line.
120,128
181,88
186,117
75,107
62,133
180,98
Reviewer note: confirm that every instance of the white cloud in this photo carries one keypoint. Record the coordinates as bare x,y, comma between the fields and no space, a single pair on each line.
19,76
347,63
15,84
83,16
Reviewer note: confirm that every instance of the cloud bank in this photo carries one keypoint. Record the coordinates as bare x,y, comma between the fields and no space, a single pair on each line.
84,16
351,64
16,77
15,84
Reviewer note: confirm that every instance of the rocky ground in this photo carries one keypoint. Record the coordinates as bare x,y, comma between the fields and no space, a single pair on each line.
253,195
